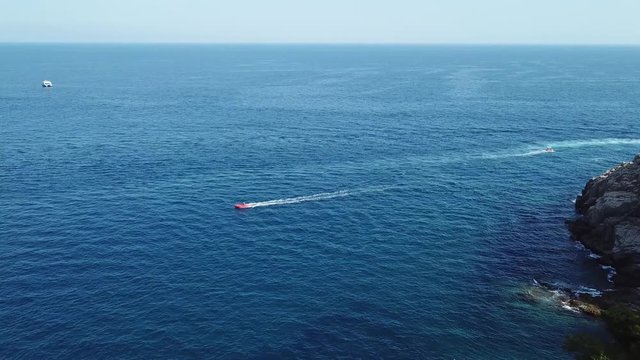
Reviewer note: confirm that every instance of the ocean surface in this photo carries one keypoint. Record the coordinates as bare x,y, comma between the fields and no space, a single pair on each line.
401,198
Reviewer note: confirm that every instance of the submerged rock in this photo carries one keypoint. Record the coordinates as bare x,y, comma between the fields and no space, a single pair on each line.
585,307
609,220
563,297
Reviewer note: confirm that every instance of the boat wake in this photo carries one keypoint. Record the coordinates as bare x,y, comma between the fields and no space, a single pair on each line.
534,150
595,142
314,197
531,150
516,154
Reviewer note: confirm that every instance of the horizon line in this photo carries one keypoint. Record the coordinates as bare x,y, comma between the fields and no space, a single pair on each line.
276,43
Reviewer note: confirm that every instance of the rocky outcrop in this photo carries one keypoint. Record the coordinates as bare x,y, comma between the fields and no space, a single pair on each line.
609,221
583,300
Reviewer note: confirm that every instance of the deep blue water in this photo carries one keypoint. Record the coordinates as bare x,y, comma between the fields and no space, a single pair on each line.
118,236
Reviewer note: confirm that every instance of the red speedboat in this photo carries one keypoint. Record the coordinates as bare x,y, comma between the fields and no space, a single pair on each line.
241,206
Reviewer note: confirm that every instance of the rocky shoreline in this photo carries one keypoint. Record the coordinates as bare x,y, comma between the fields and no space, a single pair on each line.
608,224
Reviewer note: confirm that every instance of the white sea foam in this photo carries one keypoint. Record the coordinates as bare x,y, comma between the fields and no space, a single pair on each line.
587,290
565,305
571,308
611,272
315,197
578,245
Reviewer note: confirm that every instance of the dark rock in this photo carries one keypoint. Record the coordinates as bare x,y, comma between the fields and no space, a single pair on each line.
578,227
609,220
627,296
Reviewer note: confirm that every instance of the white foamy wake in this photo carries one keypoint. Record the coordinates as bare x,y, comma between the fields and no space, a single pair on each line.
595,142
513,154
567,144
533,152
315,197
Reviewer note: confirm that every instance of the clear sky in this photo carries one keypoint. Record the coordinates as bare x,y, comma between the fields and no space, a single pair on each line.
324,21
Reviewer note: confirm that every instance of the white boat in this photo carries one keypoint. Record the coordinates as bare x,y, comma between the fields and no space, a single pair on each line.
47,83
549,149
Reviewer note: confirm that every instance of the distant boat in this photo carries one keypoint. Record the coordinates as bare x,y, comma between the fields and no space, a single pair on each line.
47,83
549,149
242,206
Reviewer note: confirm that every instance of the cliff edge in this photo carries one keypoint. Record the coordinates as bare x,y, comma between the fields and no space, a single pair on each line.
609,221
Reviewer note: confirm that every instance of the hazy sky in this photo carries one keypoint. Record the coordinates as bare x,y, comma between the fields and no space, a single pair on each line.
342,21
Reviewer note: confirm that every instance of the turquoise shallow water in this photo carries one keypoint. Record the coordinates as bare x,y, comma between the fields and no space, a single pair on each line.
405,197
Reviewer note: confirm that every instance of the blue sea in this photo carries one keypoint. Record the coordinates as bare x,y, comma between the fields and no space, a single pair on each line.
401,198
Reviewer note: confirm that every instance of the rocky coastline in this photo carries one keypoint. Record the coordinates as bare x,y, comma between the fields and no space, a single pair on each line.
608,223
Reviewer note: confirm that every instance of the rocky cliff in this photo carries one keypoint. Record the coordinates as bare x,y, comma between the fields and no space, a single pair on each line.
609,221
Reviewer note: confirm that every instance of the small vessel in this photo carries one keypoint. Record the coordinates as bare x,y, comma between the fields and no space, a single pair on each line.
241,206
549,149
47,83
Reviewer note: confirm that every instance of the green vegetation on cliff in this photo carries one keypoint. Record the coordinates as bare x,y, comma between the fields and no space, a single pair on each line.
624,324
